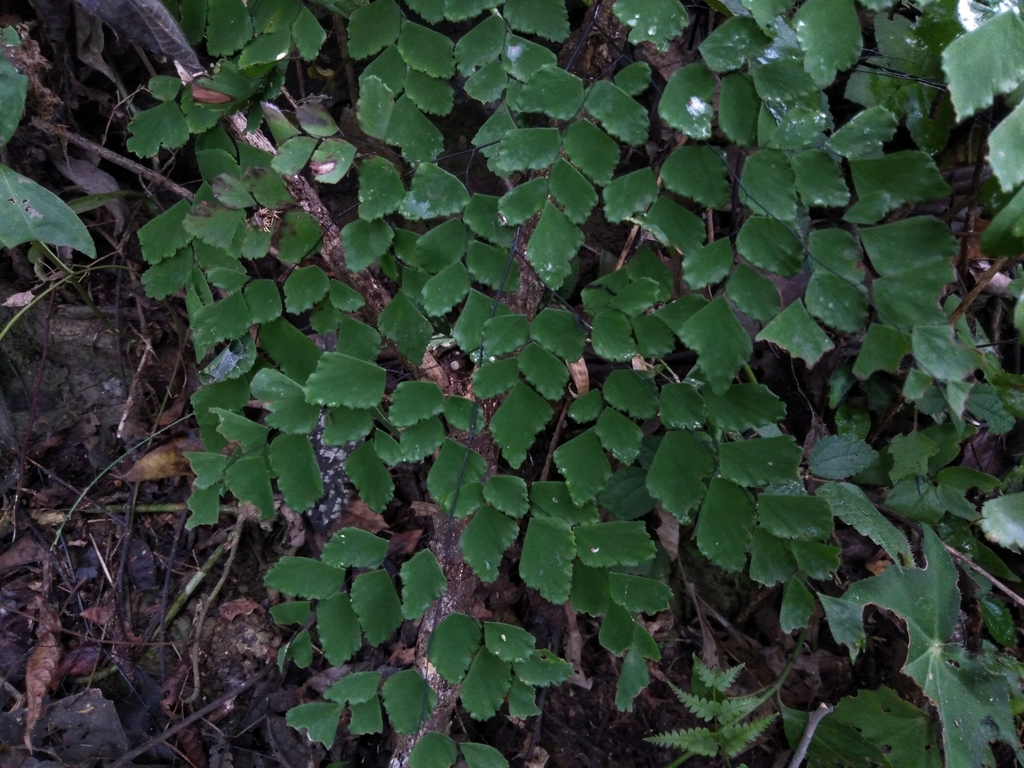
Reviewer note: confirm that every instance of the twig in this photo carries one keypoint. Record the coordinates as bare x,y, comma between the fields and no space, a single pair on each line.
554,443
125,760
979,286
233,539
813,720
192,586
124,162
960,557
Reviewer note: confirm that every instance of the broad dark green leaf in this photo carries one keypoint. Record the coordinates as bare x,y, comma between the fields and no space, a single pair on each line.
721,343
759,462
686,103
517,422
676,474
546,563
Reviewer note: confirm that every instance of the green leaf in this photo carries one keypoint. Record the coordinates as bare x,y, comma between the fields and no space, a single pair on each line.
970,699
1003,154
591,150
162,126
237,428
620,115
372,28
829,32
819,179
422,583
452,646
434,193
559,333
13,87
305,287
697,172
572,191
508,494
975,76
298,474
30,212
524,201
485,540
480,45
753,294
483,756
380,191
403,324
601,545
517,422
612,336
214,224
764,461
632,392
554,243
509,643
370,477
864,134
445,289
338,628
836,303
290,613
635,78
910,454
544,371
584,466
836,457
429,94
546,562
355,548
341,379
552,499
228,28
376,604
376,101
783,81
544,18
414,401
721,343
725,524
304,577
708,264
742,407
819,561
676,474
770,559
293,155
160,238
937,353
525,149
638,594
686,103
1002,520
422,439
682,407
885,183
298,236
331,161
419,138
455,467
492,379
882,350
433,750
733,43
231,191
620,436
441,247
485,685
797,606
408,700
552,91
543,668
795,331
769,244
524,58
656,21
794,517
629,195
738,107
319,718
767,185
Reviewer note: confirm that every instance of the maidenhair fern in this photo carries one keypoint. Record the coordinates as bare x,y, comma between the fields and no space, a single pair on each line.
764,186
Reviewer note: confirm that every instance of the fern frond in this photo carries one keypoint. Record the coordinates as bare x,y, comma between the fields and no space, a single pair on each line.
735,738
699,741
699,706
717,679
733,710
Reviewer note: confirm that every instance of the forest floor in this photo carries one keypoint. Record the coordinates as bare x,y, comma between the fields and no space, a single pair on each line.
118,625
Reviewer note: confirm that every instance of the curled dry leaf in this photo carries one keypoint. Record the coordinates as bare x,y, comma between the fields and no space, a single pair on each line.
40,668
358,515
240,607
580,376
16,300
166,461
100,614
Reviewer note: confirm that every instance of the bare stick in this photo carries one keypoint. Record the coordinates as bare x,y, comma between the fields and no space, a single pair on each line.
813,721
962,558
979,286
124,162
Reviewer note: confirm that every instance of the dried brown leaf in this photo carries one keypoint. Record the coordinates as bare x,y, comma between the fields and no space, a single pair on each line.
166,461
240,607
358,515
580,376
40,668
